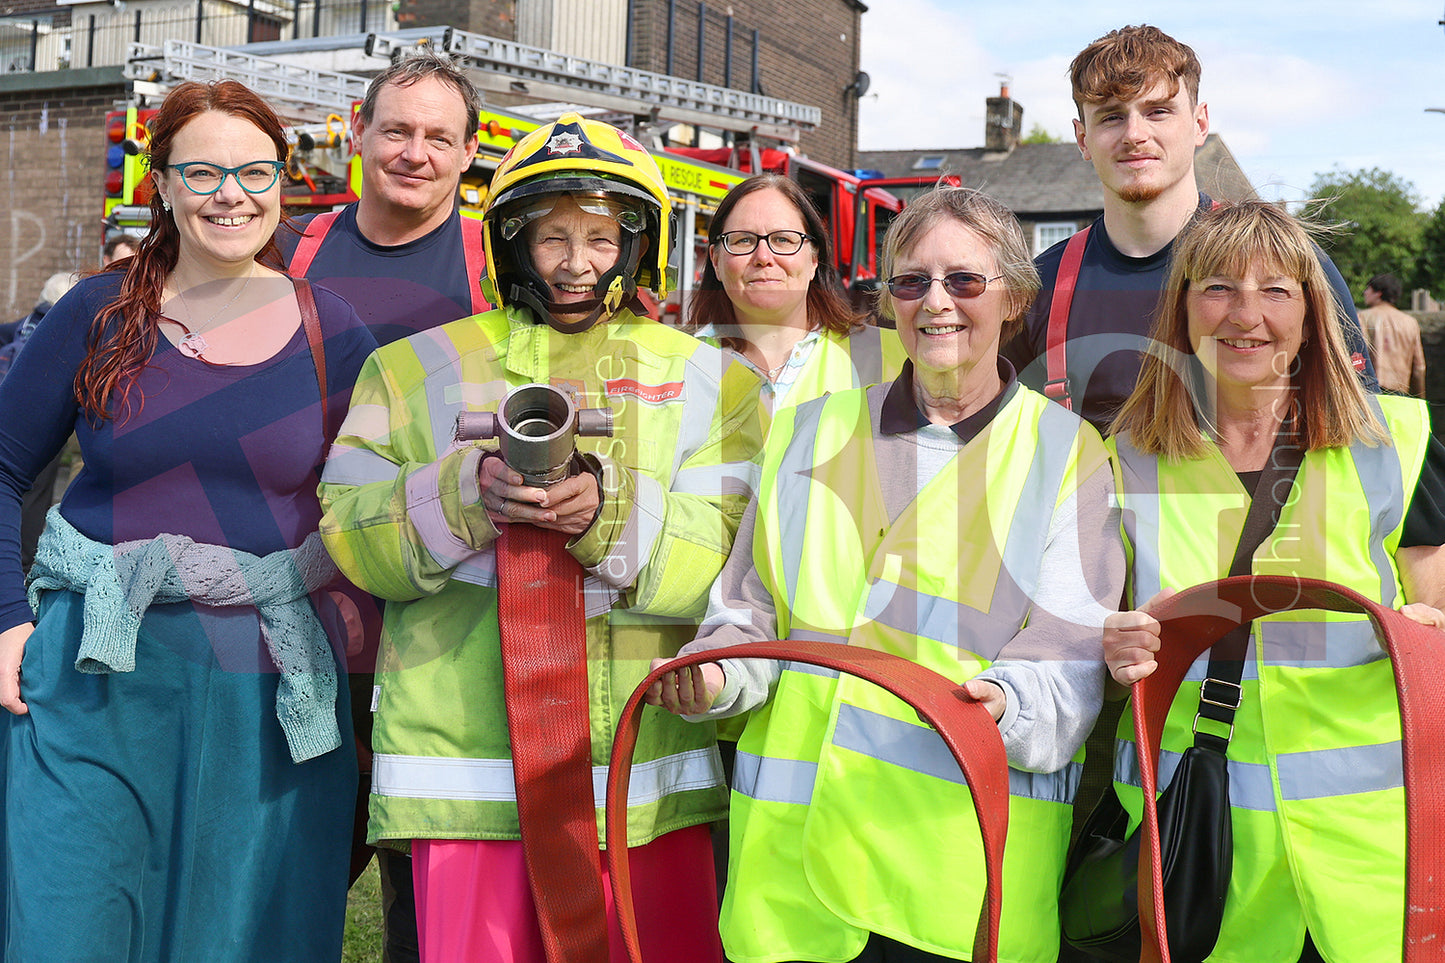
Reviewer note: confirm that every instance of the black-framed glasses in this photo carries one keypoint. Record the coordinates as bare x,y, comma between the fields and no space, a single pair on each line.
256,177
959,284
779,242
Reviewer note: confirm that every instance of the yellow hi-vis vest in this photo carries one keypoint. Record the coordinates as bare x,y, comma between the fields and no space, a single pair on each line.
868,356
848,815
1316,785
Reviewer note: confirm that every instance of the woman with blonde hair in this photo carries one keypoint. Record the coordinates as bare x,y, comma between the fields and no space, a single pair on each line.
1248,373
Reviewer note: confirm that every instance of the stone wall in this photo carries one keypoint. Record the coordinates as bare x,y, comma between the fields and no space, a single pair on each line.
1432,334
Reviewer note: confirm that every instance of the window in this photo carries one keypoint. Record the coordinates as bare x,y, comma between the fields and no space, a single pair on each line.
928,162
1049,233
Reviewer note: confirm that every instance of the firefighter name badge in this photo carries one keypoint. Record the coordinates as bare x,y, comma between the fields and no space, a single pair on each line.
564,142
648,394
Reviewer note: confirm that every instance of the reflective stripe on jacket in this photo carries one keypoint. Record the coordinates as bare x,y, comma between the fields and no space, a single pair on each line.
1314,763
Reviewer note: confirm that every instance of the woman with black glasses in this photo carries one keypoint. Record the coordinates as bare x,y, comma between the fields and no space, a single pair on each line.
770,292
178,755
952,517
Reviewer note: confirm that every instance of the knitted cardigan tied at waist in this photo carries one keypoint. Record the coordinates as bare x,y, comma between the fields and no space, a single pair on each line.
120,582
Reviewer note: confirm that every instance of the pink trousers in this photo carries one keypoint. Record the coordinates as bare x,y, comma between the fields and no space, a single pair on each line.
474,904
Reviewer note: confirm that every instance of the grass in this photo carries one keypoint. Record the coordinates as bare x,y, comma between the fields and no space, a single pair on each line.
362,941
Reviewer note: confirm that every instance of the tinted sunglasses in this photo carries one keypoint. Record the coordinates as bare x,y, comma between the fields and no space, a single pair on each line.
960,284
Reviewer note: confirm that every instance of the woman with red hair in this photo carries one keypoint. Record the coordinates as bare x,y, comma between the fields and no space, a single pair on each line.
179,773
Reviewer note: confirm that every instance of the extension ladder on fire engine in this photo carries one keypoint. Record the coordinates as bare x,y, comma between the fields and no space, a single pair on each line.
297,92
549,74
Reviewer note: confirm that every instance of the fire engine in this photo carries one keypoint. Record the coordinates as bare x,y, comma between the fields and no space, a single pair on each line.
324,172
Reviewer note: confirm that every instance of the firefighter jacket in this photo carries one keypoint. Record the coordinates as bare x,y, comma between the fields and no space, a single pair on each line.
1315,778
849,816
404,521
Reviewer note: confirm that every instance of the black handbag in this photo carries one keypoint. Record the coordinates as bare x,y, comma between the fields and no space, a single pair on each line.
1099,899
1099,907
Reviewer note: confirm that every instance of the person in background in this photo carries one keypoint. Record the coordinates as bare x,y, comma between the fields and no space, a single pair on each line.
177,750
37,501
116,247
952,517
770,292
406,260
577,222
1393,337
1249,360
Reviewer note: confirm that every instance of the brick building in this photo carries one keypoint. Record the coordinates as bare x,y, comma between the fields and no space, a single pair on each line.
53,127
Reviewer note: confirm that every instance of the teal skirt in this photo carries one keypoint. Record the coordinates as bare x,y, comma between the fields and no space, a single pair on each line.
156,815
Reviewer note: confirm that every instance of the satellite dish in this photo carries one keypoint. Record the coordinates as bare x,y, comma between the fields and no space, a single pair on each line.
860,83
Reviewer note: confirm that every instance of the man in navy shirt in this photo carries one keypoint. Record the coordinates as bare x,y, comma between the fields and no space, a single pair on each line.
406,260
1140,122
403,255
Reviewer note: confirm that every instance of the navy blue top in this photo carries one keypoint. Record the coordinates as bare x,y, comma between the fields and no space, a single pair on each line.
225,454
397,290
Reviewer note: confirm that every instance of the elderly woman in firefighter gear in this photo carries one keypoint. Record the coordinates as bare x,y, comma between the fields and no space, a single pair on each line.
953,517
577,221
1247,360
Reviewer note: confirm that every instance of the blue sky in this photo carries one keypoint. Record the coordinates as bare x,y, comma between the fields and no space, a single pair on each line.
1295,88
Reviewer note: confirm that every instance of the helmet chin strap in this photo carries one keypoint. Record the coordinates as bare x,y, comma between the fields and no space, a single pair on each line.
614,290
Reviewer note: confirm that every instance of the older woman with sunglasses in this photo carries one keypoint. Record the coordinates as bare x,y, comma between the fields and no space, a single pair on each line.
180,779
770,292
952,517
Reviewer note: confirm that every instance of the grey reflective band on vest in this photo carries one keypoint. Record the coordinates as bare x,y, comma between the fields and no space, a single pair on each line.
1340,772
795,467
1304,645
922,750
1249,782
435,352
790,781
939,619
491,780
807,669
1140,473
1379,470
774,780
1318,774
865,350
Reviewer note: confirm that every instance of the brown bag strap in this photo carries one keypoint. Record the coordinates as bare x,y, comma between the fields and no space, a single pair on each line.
965,725
1195,619
311,321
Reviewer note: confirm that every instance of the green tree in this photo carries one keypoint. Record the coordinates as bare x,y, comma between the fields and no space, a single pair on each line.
1380,227
1431,273
1038,135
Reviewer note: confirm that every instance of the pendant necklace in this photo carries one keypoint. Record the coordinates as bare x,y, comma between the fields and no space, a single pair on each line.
193,343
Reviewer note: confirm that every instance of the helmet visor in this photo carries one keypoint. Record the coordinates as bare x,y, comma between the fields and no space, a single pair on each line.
627,213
